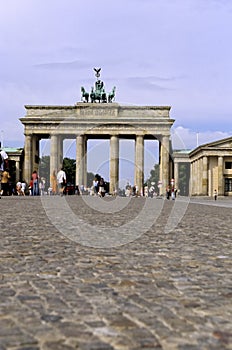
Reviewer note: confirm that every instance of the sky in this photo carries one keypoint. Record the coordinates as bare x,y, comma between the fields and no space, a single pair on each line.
156,52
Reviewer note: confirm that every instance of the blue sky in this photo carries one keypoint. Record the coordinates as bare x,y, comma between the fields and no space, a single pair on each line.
157,52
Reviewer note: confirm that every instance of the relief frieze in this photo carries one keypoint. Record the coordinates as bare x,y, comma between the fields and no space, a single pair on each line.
98,112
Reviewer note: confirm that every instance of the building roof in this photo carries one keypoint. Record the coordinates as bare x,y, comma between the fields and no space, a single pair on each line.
182,151
225,143
12,150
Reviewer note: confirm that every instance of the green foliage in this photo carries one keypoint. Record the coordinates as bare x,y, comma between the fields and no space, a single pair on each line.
154,177
184,175
44,169
90,178
69,166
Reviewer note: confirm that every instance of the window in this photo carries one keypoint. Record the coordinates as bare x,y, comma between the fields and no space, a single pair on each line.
228,184
228,165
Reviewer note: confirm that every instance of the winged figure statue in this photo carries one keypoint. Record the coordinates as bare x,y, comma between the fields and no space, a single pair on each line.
97,70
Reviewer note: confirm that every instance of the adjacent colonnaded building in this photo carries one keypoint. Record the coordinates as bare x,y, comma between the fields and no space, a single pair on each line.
209,167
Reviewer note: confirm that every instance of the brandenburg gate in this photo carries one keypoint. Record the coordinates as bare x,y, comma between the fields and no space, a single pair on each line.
97,120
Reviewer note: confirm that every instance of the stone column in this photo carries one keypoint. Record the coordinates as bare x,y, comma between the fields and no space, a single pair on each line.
54,164
114,163
220,176
176,174
79,160
195,177
85,161
59,151
139,163
27,158
205,176
191,180
199,176
17,171
164,163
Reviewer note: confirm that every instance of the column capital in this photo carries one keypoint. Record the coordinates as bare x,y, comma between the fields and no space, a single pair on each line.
28,134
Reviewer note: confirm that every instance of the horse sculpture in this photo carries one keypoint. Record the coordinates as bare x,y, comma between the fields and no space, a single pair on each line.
111,95
97,93
92,95
85,95
103,96
95,96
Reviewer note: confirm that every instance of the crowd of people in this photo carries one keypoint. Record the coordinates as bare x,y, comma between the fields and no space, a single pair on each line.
58,185
171,192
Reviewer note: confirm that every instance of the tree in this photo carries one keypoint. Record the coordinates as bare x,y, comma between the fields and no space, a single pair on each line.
69,166
184,175
90,178
154,178
44,169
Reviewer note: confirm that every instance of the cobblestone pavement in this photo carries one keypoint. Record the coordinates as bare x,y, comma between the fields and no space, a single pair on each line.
168,288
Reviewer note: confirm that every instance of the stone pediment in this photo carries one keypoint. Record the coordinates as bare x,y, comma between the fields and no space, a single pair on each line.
213,148
224,143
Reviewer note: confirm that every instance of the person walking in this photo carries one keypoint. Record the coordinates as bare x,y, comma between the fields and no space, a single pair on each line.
23,187
3,164
5,182
35,187
101,191
53,183
168,192
61,181
173,194
215,194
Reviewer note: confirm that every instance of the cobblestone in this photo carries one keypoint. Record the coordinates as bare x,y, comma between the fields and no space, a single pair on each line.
168,288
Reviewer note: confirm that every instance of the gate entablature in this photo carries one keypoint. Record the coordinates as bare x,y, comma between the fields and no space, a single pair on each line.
152,117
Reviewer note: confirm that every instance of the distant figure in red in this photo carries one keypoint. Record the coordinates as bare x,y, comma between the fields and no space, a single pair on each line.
35,187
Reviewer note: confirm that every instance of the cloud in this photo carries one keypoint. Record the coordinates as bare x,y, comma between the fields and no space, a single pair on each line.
184,138
63,65
149,83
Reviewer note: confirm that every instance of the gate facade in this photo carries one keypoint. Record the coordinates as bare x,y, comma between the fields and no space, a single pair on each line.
84,121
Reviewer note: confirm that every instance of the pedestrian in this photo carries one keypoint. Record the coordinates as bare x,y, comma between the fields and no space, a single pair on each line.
168,192
82,189
42,186
19,188
5,182
215,194
175,191
35,179
3,160
30,187
173,194
101,191
61,181
3,164
134,191
23,187
53,183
